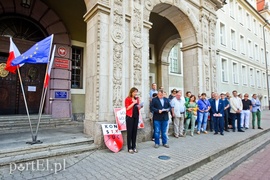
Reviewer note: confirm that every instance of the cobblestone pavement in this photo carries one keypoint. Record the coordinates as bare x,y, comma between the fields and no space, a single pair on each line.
255,167
103,164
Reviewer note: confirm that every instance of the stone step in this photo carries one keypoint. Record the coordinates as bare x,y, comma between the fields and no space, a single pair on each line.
41,151
21,123
220,163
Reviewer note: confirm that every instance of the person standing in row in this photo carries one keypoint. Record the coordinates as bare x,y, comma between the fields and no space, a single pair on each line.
236,108
132,104
203,111
160,107
247,107
192,108
256,111
217,109
226,111
178,114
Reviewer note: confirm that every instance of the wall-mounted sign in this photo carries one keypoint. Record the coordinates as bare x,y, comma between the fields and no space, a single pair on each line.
32,88
61,63
62,51
60,94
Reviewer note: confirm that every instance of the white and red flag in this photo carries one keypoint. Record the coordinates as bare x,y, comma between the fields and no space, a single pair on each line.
47,77
13,53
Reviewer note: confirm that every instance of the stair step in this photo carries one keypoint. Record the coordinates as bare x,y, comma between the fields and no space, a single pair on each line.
47,153
222,162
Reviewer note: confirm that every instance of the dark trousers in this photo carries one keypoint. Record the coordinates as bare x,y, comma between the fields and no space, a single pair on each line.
226,119
218,124
212,126
132,126
238,117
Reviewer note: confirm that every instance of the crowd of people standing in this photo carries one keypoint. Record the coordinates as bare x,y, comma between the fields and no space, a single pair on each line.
221,111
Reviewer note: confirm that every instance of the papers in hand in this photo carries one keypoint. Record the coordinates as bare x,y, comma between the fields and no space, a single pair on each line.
217,115
165,110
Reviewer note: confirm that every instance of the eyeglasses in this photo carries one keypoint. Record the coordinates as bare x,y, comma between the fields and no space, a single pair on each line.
245,96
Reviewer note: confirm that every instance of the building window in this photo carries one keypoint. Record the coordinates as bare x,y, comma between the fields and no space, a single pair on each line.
242,44
255,26
256,53
235,73
248,21
233,40
262,56
224,70
259,31
251,77
267,58
250,50
244,75
77,68
232,8
175,59
264,81
258,79
240,15
222,34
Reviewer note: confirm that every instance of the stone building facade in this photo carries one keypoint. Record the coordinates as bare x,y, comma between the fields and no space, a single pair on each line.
113,45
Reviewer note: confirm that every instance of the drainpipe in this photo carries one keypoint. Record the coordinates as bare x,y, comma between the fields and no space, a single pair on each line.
266,64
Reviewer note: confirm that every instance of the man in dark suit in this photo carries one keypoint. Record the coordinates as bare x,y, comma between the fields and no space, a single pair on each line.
160,107
217,109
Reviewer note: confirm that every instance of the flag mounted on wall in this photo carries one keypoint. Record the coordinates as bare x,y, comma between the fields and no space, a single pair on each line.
39,53
13,53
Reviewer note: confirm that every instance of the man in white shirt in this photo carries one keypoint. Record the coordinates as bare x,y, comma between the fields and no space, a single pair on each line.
178,114
236,108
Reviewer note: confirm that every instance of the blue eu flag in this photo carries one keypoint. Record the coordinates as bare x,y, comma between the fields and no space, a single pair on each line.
39,53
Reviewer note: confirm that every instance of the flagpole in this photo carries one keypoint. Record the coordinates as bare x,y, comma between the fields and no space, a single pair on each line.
25,103
43,96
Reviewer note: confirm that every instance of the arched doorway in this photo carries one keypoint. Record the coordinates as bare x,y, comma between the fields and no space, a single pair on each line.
25,32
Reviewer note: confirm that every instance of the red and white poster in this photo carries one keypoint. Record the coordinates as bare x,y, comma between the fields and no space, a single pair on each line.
112,137
120,117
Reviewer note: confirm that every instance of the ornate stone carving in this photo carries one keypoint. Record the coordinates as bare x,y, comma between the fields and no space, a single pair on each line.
117,75
148,5
118,36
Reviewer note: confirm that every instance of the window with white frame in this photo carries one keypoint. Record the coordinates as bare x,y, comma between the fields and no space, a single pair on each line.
250,52
255,26
242,44
224,70
260,30
256,52
264,80
258,79
262,56
240,15
175,58
248,21
267,58
232,8
251,77
235,73
233,40
244,75
222,34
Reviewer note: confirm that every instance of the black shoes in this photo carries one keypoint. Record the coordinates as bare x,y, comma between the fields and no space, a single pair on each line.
260,128
241,130
215,133
221,134
227,130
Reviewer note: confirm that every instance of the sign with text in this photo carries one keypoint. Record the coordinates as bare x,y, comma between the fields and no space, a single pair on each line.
61,63
120,117
112,137
60,94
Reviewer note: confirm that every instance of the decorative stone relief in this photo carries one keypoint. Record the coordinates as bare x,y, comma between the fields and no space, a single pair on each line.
117,75
148,5
212,24
137,41
118,36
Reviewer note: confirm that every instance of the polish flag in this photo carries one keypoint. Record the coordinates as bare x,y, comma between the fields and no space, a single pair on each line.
13,53
47,77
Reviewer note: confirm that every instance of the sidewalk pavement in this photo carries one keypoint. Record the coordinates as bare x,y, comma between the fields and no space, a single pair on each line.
103,164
